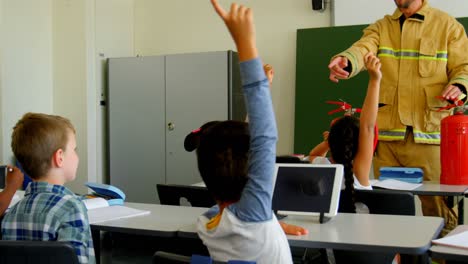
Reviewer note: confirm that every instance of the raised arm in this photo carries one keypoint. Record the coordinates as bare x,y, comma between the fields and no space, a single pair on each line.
321,149
255,202
14,180
363,159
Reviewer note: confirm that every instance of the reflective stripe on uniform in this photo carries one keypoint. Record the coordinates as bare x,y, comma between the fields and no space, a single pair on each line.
419,136
429,137
411,54
397,134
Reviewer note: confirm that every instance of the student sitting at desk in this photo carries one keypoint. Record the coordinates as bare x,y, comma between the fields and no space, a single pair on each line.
236,161
351,142
46,147
14,180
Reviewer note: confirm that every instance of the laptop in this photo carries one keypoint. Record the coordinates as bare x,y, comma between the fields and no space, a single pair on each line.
307,189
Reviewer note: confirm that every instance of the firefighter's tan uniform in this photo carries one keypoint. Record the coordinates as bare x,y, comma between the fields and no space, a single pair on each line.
419,57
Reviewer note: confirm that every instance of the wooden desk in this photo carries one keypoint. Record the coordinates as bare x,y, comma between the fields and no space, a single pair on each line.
451,253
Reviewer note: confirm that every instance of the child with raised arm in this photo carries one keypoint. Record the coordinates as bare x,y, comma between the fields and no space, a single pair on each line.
45,145
236,161
351,142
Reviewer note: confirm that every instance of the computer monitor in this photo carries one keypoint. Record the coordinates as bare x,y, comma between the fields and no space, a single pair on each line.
307,189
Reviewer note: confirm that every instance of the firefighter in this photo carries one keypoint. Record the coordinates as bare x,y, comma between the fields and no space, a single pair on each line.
424,54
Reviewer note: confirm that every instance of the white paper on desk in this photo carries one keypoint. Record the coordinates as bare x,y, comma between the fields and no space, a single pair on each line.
113,213
396,185
94,203
459,240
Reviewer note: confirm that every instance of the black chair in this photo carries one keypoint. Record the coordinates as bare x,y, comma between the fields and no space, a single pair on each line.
379,202
289,159
37,252
387,201
161,257
170,194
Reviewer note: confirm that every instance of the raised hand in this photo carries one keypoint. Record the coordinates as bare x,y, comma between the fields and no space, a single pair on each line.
269,72
373,66
14,178
239,21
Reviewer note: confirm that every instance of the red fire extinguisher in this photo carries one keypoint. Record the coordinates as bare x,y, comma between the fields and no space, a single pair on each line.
454,147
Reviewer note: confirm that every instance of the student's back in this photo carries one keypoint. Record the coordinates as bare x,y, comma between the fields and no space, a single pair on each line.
236,162
46,147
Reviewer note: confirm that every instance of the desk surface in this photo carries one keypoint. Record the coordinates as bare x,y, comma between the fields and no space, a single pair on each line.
435,188
365,232
369,232
163,221
451,253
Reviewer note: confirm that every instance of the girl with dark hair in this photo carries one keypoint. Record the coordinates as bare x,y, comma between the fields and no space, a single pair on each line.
236,161
351,142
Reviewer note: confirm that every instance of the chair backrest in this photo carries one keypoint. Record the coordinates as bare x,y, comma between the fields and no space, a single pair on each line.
161,257
170,194
379,202
387,201
37,252
288,159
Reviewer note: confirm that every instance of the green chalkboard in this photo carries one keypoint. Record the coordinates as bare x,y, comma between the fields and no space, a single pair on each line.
315,47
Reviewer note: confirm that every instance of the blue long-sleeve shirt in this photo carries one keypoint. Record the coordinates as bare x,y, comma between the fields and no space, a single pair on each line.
248,230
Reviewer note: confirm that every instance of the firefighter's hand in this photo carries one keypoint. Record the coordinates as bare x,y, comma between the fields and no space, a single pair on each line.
337,71
452,92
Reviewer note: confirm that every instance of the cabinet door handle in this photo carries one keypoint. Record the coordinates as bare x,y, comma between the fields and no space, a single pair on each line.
170,126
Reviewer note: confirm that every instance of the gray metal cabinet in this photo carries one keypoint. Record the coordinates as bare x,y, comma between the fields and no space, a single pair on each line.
153,103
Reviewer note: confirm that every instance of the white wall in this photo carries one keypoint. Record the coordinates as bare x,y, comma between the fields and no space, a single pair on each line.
179,26
26,63
70,65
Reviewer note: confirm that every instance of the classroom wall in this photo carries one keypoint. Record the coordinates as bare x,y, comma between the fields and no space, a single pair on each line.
49,54
26,63
196,28
69,75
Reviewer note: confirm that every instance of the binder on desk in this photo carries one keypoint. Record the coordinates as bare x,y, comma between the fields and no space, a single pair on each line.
107,204
410,175
103,193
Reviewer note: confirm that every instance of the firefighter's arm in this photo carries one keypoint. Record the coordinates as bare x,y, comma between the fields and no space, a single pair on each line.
369,42
457,64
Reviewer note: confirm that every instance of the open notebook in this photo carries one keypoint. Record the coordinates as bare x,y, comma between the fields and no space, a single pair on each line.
395,184
99,209
459,240
107,213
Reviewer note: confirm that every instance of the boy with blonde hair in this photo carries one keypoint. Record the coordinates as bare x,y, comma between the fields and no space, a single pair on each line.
45,145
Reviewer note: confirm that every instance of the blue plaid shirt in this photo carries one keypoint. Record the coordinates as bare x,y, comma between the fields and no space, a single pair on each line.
50,213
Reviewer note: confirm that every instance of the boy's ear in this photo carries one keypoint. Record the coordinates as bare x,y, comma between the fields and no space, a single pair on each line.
57,158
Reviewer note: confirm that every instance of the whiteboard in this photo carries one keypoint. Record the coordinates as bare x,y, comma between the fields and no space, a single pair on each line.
357,12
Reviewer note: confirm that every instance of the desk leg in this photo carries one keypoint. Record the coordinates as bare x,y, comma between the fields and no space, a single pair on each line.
97,244
461,211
